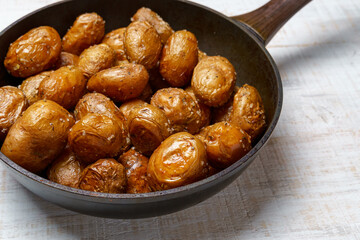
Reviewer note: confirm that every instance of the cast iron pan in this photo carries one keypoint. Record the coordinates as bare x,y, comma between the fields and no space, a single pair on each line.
243,44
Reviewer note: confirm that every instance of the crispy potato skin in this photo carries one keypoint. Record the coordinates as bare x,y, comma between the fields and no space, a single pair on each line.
96,58
66,169
222,114
180,108
136,167
162,27
148,127
178,161
156,81
97,136
105,175
179,58
66,59
115,39
248,111
146,94
214,80
225,144
201,55
30,86
127,107
205,111
120,83
34,52
38,136
142,44
87,30
64,86
12,103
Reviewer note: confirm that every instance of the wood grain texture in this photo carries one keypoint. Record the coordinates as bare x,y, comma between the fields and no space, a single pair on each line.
305,184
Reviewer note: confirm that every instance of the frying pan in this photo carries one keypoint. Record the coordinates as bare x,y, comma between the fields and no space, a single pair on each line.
243,43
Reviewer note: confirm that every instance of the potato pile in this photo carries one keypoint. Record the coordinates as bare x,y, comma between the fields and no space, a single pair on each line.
125,112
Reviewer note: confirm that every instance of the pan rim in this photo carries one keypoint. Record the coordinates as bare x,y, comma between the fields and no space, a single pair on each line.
171,193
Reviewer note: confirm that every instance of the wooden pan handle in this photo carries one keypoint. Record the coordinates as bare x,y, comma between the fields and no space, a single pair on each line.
268,19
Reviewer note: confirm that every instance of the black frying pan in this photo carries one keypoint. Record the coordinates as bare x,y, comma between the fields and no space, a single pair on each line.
243,44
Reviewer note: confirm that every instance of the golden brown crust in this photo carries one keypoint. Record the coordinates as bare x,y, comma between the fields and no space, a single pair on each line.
12,103
105,175
225,144
97,136
179,58
146,94
178,161
205,111
87,30
115,39
180,108
66,169
201,55
248,111
148,127
127,107
214,80
120,83
96,58
222,114
30,86
156,81
64,86
38,136
162,27
142,44
66,59
136,167
34,52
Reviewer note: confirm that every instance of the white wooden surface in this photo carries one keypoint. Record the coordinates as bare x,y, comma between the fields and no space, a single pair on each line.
304,185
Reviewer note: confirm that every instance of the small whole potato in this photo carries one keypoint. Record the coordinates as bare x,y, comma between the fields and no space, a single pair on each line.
64,86
162,27
97,136
34,52
12,103
127,107
120,83
178,161
115,39
136,167
214,80
142,44
225,144
205,111
66,169
38,136
222,114
66,59
179,58
30,86
87,30
180,108
248,111
105,175
148,127
96,58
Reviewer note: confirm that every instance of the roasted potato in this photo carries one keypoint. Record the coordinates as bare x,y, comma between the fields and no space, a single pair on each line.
205,111
38,136
225,144
120,83
30,86
162,27
178,161
248,111
156,81
97,136
201,55
34,52
179,58
214,80
97,103
146,94
127,107
96,58
66,169
180,108
115,39
136,167
142,44
64,86
87,30
66,59
148,127
222,114
12,103
105,175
